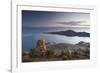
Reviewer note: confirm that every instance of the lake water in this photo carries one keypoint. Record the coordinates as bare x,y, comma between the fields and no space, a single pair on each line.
31,35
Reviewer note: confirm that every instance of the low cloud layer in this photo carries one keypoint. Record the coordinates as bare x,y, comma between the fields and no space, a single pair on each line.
72,22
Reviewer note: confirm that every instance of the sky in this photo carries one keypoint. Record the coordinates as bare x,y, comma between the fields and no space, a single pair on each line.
54,19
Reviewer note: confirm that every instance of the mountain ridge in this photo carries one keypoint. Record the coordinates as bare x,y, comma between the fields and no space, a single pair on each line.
71,33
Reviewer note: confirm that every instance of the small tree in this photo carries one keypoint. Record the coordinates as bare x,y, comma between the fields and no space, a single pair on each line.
50,53
66,55
32,52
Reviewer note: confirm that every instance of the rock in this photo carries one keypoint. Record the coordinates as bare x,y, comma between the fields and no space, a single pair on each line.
84,44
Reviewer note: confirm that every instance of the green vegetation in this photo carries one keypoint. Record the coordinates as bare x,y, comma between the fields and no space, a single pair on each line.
51,55
66,55
32,52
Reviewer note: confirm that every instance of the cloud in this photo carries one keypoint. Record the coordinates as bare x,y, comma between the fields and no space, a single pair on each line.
73,23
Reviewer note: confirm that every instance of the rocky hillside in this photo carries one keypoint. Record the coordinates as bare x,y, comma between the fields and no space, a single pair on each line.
68,47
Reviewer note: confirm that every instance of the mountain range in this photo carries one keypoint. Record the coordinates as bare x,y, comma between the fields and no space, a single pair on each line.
71,33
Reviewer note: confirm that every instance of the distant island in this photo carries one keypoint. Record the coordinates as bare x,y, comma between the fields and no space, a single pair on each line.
71,33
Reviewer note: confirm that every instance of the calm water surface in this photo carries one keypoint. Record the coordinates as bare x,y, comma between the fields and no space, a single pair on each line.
31,35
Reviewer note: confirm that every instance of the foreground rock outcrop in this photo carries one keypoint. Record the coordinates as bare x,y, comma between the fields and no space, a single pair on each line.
59,51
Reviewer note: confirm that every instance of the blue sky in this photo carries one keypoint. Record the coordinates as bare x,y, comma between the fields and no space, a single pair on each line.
54,19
